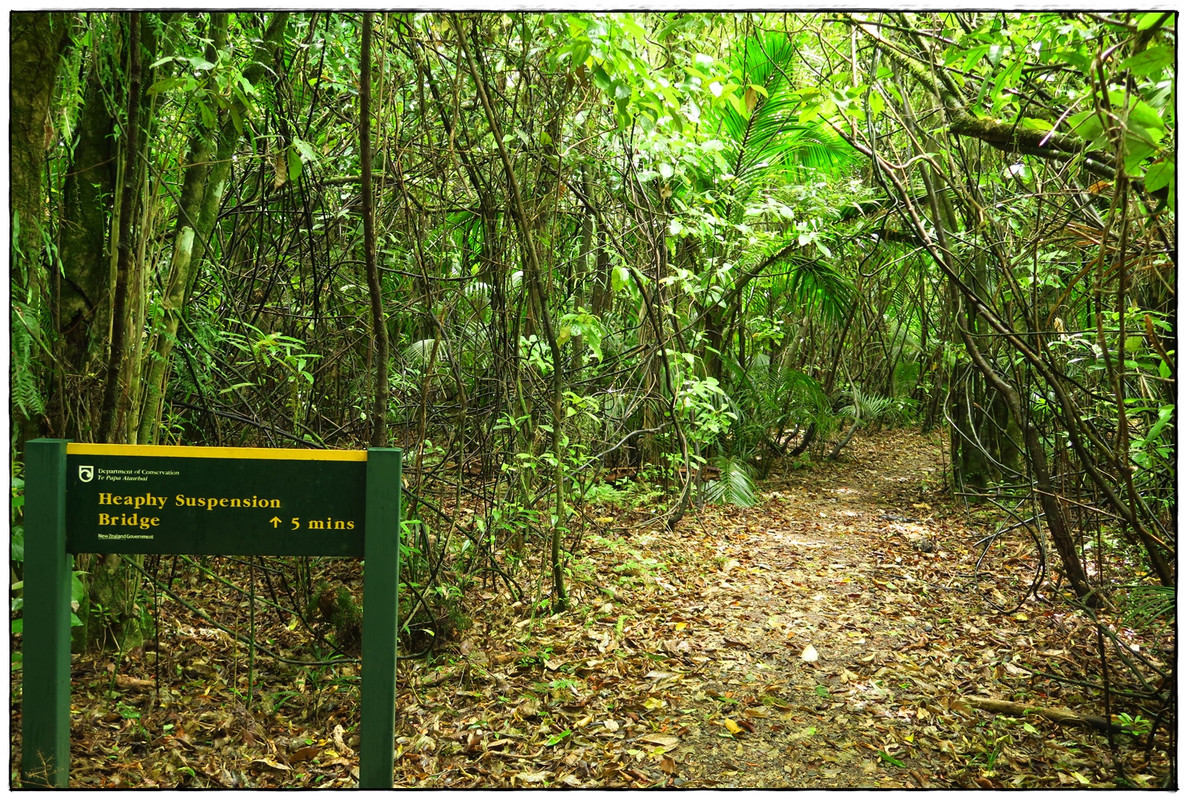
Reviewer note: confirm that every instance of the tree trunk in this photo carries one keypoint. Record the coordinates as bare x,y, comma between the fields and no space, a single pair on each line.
115,395
81,288
37,41
378,325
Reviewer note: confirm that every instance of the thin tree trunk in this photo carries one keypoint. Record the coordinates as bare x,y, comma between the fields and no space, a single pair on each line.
115,396
378,324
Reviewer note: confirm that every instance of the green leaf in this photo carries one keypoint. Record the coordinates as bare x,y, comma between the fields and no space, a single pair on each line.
305,149
1143,114
1035,124
632,27
1150,19
889,759
1160,174
579,52
877,103
1086,125
1147,62
185,83
557,738
601,79
619,278
18,543
1164,416
294,160
208,118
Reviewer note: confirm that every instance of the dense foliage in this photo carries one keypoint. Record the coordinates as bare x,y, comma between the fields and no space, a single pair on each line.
564,248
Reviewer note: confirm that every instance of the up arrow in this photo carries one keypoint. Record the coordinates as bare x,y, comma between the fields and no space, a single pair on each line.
275,521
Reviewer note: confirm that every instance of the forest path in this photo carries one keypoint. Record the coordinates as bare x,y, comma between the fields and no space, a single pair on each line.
812,572
687,659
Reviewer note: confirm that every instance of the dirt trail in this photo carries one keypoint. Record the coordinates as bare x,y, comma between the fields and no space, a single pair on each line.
823,638
811,568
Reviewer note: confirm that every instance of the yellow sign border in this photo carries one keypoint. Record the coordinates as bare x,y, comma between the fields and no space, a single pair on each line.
172,451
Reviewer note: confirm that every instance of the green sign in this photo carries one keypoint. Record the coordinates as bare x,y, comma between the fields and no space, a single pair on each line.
82,498
214,500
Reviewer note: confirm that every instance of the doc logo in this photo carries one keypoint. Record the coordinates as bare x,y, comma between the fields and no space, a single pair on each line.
86,473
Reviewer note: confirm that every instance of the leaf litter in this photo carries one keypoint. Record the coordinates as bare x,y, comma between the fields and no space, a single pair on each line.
825,638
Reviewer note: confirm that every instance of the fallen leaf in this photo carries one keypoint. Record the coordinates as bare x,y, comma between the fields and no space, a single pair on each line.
267,763
661,739
128,682
304,754
339,737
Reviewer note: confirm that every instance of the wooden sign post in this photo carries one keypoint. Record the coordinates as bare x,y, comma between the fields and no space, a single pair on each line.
93,498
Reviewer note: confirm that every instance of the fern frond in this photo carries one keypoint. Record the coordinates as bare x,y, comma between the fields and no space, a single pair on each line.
26,393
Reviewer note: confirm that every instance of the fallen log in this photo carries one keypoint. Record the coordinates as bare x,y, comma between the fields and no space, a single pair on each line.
1061,716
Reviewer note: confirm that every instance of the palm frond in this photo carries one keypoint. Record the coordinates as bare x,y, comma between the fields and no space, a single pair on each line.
811,282
734,486
767,140
804,391
1148,604
419,354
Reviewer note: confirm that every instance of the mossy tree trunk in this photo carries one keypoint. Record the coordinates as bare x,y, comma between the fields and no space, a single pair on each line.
36,45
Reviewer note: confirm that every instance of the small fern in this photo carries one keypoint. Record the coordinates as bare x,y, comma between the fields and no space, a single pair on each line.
25,392
735,485
875,408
